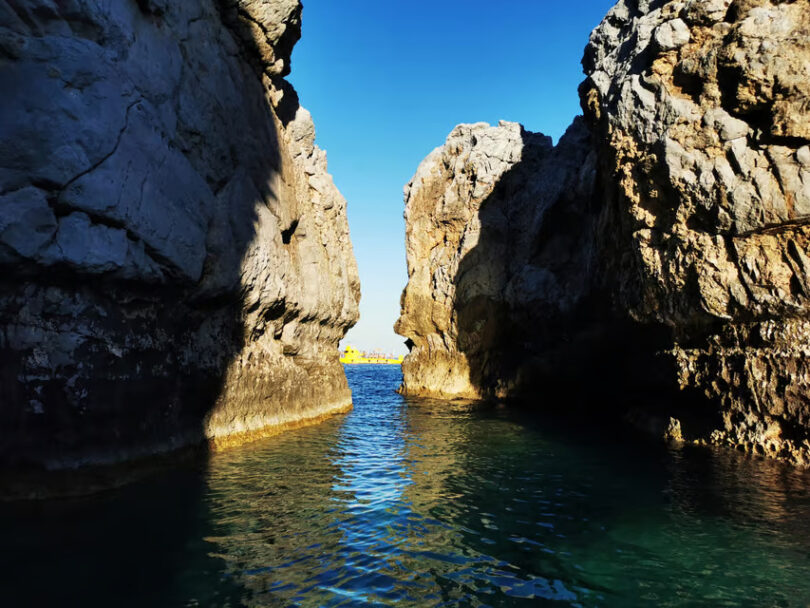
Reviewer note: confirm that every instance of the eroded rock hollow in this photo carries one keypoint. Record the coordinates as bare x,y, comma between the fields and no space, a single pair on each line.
176,263
687,234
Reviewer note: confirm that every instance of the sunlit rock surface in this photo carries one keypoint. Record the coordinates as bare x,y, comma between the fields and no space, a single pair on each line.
176,263
701,112
495,252
686,274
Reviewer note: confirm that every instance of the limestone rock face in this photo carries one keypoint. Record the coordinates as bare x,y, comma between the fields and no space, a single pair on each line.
175,260
494,244
661,253
701,111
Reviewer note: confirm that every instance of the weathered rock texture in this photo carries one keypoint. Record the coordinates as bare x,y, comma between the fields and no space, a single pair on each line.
490,263
701,111
691,257
175,260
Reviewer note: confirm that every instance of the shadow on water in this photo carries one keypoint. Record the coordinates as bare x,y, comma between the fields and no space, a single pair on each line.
143,545
420,502
545,510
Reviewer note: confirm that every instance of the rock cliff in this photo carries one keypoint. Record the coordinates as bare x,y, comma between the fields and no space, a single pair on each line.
682,258
176,263
490,261
701,115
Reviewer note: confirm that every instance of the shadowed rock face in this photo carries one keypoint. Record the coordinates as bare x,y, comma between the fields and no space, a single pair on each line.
682,262
176,263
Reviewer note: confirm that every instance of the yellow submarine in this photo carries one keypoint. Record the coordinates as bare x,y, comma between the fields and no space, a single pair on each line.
352,356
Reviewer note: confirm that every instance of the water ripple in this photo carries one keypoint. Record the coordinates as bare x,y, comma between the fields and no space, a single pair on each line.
424,503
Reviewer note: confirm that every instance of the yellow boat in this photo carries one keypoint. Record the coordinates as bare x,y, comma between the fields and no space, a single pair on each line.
353,356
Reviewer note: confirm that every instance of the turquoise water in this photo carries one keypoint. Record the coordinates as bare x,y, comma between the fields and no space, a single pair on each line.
422,503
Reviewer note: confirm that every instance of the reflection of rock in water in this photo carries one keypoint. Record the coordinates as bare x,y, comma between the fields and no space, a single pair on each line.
333,539
587,510
420,503
721,484
437,448
273,512
175,259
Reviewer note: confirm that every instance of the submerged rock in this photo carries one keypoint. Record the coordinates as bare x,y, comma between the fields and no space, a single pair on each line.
176,263
665,250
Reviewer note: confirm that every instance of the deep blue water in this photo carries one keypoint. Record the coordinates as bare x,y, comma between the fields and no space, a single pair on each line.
424,503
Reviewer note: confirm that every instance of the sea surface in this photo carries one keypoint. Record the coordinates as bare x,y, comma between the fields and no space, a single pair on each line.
423,503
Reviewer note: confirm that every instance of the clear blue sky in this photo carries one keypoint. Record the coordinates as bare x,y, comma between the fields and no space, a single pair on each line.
386,82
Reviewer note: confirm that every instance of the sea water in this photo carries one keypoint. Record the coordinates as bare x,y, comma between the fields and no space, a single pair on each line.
422,503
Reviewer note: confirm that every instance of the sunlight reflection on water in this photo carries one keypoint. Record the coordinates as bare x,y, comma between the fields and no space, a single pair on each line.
424,503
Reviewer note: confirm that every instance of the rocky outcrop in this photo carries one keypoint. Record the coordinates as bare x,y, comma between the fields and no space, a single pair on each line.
492,261
176,263
701,112
687,269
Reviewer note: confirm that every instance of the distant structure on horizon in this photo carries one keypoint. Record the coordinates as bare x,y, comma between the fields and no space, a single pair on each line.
352,356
